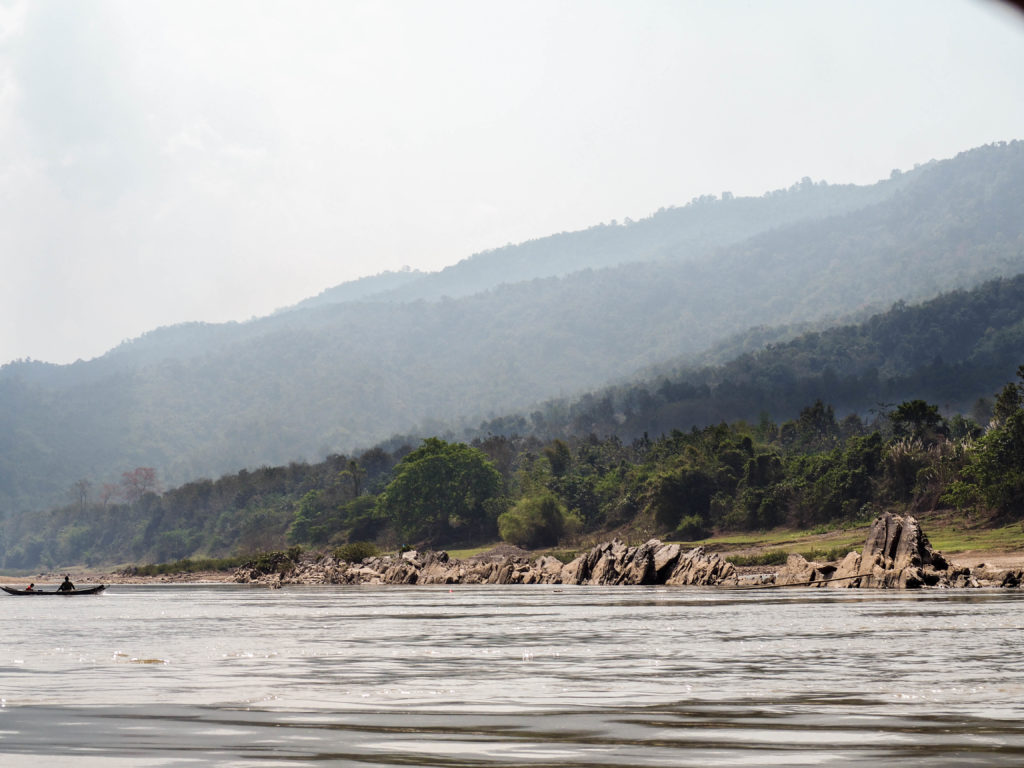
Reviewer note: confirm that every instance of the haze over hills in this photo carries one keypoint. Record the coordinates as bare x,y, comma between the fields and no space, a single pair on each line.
506,328
824,464
956,350
686,233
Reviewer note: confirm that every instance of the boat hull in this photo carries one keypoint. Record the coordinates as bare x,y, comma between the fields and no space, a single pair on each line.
70,593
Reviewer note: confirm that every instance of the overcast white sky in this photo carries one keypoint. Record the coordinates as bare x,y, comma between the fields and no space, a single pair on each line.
165,161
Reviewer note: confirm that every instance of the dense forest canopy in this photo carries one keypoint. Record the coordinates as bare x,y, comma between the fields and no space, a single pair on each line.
509,328
814,469
953,350
678,456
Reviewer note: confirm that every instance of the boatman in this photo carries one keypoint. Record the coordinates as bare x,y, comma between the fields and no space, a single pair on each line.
67,586
30,587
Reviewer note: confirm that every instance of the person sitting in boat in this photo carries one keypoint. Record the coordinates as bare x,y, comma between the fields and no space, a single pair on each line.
67,586
30,587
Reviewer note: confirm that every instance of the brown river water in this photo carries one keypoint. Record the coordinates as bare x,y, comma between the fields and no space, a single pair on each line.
512,676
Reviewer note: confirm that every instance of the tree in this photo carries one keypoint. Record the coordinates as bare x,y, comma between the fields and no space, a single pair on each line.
310,522
675,495
815,429
353,475
1008,401
537,521
559,457
137,483
80,493
999,468
108,493
439,490
918,420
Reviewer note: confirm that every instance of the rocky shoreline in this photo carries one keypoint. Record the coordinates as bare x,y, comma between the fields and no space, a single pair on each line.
606,564
896,555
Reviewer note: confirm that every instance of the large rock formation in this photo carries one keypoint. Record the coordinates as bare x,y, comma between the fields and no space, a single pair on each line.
606,564
896,555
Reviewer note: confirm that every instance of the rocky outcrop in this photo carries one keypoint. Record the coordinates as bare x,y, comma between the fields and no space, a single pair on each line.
799,571
847,574
896,555
652,562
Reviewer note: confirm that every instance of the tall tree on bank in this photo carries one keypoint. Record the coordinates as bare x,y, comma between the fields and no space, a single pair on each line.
442,491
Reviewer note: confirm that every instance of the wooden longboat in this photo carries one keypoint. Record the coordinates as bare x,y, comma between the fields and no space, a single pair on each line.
69,593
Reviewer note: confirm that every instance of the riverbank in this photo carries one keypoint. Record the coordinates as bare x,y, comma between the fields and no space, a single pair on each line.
966,543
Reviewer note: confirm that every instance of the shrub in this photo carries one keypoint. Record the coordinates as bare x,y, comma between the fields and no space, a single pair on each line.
537,521
356,551
691,528
771,557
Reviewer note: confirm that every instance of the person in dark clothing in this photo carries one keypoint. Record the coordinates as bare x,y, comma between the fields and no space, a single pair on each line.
67,586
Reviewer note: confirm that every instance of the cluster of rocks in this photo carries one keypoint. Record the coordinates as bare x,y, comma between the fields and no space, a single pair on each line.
896,555
606,564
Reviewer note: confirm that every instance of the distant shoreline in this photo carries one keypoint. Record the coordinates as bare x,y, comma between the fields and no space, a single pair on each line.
50,580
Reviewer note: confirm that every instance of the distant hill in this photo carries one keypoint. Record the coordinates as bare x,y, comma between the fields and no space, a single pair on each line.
362,289
953,351
948,350
506,328
687,233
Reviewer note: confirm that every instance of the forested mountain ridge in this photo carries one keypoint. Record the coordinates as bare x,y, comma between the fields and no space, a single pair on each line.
198,400
689,233
651,453
953,350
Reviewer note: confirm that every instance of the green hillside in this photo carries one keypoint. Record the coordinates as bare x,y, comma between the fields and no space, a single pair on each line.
199,400
751,444
952,350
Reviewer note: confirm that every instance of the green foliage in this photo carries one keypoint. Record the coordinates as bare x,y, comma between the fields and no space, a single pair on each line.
188,565
950,349
771,557
243,512
281,561
356,551
439,492
917,420
360,520
691,528
961,495
559,457
680,494
265,562
537,521
814,430
999,466
1008,402
684,484
337,374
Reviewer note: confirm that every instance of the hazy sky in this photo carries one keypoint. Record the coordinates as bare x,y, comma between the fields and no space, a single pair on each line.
164,161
